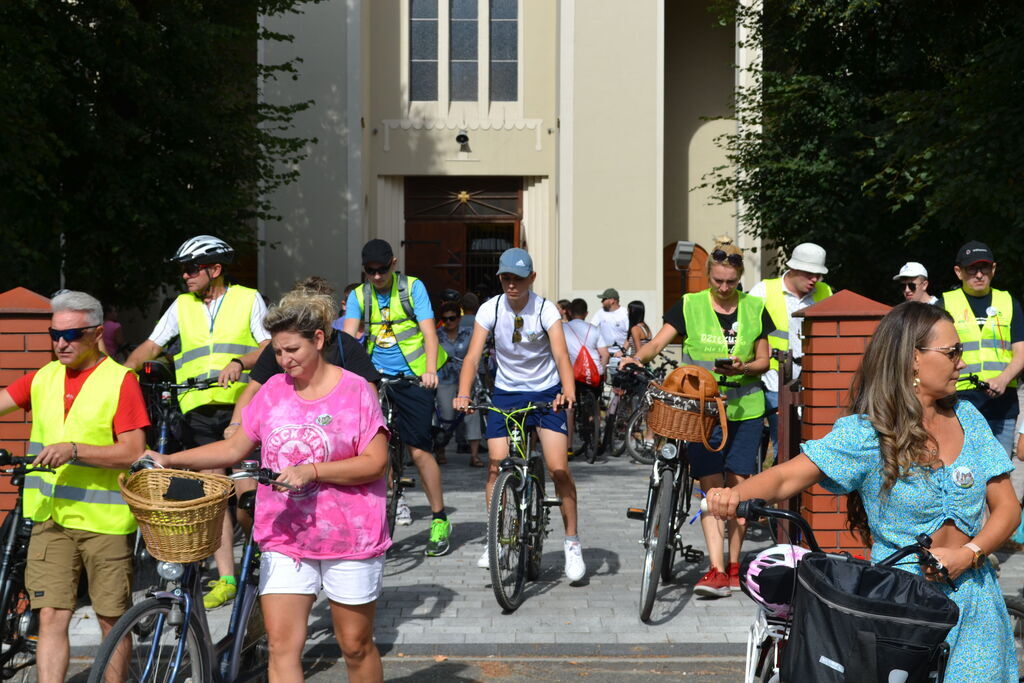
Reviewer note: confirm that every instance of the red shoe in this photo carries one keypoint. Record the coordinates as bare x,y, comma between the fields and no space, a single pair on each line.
733,570
714,584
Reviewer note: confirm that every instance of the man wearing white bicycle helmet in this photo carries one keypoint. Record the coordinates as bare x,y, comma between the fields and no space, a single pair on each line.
222,334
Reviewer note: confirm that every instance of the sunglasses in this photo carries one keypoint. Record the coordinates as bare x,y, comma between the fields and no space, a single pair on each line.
449,318
376,271
912,286
73,334
517,333
735,260
192,269
954,352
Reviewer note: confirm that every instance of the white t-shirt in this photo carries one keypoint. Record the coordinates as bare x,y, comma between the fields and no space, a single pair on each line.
579,333
527,365
167,328
614,325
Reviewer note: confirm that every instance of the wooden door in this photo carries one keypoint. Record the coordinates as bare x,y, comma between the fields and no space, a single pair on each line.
435,252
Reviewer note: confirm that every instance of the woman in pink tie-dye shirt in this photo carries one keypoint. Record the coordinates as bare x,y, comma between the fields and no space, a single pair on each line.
322,429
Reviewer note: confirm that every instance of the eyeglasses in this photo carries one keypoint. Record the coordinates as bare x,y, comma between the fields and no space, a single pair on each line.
974,270
449,318
376,271
192,269
735,260
912,286
73,334
954,352
517,334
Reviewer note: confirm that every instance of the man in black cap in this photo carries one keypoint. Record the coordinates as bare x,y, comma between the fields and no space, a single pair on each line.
613,319
401,338
991,328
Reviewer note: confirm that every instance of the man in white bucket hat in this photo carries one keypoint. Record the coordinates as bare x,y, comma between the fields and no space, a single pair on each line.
799,287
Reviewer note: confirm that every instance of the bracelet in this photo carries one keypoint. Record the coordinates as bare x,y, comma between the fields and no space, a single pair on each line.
465,397
74,452
234,424
316,475
239,361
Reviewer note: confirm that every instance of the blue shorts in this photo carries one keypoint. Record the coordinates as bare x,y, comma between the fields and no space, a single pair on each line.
510,400
739,455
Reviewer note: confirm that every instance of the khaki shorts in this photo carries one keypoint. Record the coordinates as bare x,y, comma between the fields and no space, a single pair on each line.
56,557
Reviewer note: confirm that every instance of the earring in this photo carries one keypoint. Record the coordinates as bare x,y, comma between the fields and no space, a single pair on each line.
917,381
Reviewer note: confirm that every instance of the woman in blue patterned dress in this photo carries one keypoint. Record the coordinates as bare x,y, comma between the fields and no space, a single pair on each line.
916,460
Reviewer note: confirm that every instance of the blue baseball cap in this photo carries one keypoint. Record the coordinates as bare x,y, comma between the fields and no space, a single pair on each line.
515,261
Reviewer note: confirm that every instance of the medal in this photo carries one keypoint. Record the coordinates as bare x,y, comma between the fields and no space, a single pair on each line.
963,477
324,420
991,311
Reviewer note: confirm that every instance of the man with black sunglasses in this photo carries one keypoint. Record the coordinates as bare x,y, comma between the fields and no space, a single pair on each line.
913,283
991,327
799,286
222,335
88,422
401,338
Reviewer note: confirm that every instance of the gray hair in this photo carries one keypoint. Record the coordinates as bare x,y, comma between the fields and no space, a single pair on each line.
79,302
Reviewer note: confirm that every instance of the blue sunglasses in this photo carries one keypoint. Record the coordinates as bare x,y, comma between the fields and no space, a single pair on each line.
73,334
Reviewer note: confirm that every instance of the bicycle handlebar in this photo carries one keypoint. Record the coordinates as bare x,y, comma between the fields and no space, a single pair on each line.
188,385
756,507
532,405
22,461
977,382
263,475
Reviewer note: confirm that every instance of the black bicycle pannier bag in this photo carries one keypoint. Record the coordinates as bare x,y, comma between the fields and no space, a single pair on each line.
860,623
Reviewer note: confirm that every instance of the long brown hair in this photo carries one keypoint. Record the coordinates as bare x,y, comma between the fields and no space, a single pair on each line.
883,390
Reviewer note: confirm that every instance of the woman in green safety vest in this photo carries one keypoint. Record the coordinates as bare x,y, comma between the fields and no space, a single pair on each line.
724,331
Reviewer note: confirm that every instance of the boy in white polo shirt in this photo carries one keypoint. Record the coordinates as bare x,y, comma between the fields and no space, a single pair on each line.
533,366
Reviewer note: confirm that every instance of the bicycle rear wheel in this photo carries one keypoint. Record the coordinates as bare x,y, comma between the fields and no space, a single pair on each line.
505,541
393,478
1015,607
655,544
148,631
636,435
588,417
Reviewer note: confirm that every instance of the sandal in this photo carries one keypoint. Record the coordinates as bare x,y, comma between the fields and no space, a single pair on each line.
475,462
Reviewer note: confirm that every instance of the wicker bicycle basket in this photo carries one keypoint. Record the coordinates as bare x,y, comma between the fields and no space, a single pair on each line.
177,531
687,407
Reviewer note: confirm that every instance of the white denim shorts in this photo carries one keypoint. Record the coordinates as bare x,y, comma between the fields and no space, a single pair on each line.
349,582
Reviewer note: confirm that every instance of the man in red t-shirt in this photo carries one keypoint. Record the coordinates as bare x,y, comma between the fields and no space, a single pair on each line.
72,530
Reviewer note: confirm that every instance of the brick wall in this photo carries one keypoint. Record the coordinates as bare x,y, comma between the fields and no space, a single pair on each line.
836,332
24,346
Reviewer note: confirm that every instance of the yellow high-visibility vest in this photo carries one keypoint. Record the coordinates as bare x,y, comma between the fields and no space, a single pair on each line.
775,302
205,350
987,349
77,496
705,342
402,323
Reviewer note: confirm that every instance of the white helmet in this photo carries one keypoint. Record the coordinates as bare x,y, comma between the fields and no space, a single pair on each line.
203,249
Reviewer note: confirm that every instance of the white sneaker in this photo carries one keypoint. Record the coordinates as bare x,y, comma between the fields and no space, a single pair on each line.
484,561
403,515
575,567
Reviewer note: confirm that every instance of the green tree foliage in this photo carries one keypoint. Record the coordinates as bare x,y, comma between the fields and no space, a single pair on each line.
127,126
886,131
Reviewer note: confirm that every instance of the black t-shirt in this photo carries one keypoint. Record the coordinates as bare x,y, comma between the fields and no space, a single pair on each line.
356,360
674,317
980,305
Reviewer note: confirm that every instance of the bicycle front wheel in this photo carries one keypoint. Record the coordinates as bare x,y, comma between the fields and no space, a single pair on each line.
1015,607
505,541
655,544
538,525
149,635
636,438
615,425
393,478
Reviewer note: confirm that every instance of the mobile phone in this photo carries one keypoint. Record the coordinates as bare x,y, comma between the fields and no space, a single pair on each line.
723,362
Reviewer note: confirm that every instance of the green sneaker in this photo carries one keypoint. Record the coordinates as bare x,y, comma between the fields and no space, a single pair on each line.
220,592
440,530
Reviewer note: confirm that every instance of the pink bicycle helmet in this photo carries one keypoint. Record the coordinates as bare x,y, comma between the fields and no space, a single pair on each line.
769,577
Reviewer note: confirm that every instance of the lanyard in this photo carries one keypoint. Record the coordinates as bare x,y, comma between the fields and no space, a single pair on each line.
213,315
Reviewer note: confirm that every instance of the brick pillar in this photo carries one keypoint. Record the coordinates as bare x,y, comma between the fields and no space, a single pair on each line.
836,332
24,346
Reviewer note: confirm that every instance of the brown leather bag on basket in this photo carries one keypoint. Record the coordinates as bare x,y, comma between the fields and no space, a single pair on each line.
700,387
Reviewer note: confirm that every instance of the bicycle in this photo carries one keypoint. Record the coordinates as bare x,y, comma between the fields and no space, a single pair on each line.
768,635
397,483
517,519
165,434
639,438
587,421
628,386
669,494
168,634
18,623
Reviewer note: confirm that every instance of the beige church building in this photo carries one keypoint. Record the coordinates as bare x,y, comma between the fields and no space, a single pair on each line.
457,128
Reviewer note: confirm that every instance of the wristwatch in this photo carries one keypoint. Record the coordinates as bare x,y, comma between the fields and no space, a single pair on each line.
979,554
